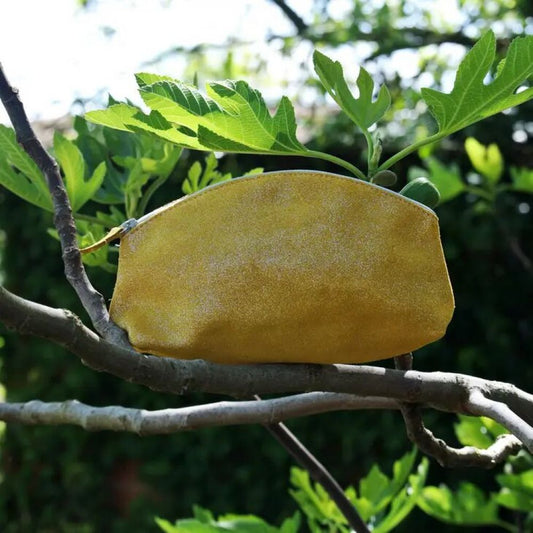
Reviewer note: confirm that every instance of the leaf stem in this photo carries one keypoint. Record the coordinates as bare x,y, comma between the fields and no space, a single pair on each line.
482,193
370,144
410,149
506,525
338,161
149,192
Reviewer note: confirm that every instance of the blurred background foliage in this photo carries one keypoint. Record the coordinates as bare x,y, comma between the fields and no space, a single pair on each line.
66,480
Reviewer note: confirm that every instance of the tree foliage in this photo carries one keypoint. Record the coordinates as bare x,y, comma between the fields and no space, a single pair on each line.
485,223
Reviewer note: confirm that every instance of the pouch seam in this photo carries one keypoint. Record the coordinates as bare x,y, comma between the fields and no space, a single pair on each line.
239,181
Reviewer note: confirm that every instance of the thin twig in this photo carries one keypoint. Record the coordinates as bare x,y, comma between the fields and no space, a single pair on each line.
455,457
298,21
514,245
319,473
92,300
438,449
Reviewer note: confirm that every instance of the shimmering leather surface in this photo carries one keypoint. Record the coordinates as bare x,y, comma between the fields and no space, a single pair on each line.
296,266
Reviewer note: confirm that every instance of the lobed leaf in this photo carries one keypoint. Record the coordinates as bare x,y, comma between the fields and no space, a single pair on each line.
470,99
515,500
232,117
404,502
204,522
126,117
362,110
467,506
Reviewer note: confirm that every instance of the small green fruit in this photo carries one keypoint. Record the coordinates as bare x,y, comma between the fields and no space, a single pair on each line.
423,191
385,178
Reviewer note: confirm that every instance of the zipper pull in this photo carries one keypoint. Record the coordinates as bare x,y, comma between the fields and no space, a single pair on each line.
113,234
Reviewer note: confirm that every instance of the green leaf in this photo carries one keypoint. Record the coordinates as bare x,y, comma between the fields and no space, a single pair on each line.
313,500
404,502
522,482
146,78
92,185
198,179
232,117
291,524
522,179
376,490
72,163
129,118
447,179
470,99
19,174
472,432
514,500
467,506
362,110
204,522
487,160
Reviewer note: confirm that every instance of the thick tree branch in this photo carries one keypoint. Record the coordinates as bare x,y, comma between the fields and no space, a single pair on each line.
439,390
92,300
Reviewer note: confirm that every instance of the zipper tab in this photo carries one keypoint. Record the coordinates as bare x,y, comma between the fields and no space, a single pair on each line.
113,234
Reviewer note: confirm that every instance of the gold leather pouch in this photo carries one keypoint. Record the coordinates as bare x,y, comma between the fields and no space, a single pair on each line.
294,267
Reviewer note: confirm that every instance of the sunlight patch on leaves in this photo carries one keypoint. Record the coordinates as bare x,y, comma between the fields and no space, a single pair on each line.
487,160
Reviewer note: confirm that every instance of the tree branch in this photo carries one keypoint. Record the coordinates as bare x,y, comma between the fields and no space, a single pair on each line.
446,455
166,421
319,474
440,390
455,457
479,405
300,25
267,412
92,300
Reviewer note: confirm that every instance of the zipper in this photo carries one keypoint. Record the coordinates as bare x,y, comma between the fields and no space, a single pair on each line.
118,232
112,235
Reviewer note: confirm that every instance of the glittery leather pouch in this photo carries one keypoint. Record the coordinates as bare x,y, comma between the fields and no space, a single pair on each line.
295,266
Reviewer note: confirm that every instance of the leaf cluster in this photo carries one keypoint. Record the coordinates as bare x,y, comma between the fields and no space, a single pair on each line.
233,117
469,505
485,180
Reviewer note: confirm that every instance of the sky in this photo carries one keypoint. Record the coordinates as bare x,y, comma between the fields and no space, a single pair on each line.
55,52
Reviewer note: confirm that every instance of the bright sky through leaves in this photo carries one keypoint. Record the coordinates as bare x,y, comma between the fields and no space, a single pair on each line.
62,52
